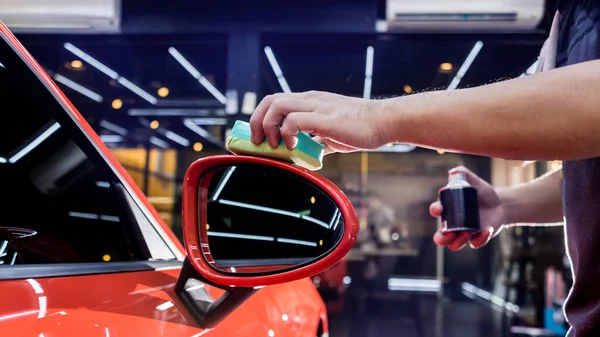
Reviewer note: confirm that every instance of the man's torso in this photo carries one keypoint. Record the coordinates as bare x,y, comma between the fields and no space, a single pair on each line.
579,41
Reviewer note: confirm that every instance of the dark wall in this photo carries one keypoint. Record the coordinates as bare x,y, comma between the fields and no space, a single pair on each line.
152,16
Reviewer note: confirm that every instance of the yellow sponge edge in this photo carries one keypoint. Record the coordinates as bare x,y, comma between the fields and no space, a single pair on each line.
307,153
245,147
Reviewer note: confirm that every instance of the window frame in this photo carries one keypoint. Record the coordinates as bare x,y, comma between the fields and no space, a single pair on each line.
25,271
75,269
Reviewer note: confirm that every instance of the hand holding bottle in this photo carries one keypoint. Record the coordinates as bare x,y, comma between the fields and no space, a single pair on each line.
492,215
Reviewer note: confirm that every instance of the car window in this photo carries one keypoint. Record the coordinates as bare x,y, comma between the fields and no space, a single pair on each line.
62,201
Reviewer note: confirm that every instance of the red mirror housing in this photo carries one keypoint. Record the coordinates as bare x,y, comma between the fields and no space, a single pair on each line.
193,217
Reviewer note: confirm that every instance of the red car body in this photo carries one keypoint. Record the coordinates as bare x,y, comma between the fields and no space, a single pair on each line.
126,301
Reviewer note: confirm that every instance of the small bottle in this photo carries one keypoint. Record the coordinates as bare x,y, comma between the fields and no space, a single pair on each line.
461,209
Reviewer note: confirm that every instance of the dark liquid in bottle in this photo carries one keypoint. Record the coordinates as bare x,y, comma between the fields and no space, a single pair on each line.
461,209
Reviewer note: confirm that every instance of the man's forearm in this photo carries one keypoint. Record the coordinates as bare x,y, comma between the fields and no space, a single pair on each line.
536,202
547,116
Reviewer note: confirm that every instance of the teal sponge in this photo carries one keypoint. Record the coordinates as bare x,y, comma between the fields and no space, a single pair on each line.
307,153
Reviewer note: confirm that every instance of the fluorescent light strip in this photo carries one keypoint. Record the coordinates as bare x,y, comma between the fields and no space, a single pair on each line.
111,73
14,258
103,184
159,142
273,210
113,127
92,61
213,91
241,236
191,124
284,84
465,66
37,287
405,284
111,138
168,112
276,69
84,215
259,208
110,218
223,182
165,305
3,248
37,141
297,242
367,89
137,90
197,75
311,219
369,73
209,121
369,65
78,88
335,214
184,63
20,314
531,69
177,138
468,288
3,160
337,222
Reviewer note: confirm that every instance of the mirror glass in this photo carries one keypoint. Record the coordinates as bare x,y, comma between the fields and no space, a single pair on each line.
262,219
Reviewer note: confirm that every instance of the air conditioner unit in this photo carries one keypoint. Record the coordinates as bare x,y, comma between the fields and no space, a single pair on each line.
462,15
61,16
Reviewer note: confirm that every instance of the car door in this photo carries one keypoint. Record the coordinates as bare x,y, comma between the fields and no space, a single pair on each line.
82,252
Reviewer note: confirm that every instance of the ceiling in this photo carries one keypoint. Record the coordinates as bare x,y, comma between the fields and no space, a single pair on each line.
330,61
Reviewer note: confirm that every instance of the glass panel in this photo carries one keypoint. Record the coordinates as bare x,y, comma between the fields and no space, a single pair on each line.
56,185
262,218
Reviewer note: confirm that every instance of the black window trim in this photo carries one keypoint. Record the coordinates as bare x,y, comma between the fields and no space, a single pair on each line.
157,227
17,272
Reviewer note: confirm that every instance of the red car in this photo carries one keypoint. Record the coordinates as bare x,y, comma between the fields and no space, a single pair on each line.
83,253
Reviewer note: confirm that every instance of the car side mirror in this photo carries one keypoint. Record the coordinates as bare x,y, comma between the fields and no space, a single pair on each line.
252,222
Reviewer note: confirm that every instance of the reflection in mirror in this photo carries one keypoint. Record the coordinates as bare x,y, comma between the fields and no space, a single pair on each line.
263,219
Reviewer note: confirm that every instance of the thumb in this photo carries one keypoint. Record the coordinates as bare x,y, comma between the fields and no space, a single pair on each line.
331,146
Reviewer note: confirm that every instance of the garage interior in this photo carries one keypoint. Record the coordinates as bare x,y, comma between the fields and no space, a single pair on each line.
163,83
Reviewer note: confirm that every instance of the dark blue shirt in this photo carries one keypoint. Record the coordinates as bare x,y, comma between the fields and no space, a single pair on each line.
579,41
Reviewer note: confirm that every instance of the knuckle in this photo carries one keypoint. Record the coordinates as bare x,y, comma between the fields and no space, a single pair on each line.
276,105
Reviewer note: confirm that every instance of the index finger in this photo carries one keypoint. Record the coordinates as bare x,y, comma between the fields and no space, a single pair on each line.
257,134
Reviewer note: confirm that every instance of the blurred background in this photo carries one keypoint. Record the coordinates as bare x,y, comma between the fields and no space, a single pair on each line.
163,82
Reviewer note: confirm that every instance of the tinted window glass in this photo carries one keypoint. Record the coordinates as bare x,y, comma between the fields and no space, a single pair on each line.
61,200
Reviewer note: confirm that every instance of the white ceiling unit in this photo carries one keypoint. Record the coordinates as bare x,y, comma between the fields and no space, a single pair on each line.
61,16
461,15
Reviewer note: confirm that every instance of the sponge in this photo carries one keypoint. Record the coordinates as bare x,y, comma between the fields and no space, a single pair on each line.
307,153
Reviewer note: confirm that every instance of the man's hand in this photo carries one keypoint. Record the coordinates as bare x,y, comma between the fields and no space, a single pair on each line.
341,123
492,215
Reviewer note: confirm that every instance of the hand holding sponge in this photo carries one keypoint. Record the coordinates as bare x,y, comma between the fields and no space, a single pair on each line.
307,153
